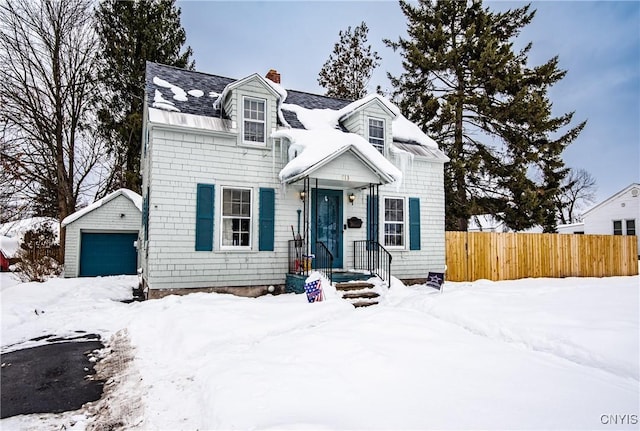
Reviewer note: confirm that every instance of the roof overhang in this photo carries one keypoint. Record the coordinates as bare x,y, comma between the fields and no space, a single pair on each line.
311,171
364,103
420,151
239,83
193,122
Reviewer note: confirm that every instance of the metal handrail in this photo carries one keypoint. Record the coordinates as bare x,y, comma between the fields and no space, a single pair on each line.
324,260
301,264
373,257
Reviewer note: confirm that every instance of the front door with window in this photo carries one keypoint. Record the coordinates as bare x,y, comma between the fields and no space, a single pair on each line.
326,222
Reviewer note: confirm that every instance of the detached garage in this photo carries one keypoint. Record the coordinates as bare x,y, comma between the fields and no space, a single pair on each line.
101,237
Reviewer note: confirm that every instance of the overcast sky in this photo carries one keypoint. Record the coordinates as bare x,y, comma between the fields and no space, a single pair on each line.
598,43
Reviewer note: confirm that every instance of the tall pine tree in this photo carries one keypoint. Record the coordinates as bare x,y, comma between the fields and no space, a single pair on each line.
132,33
465,85
348,70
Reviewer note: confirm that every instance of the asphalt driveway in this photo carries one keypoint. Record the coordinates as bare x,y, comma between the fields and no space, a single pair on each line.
52,378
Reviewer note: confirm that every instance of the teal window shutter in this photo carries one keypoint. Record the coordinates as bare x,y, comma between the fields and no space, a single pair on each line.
204,217
266,219
414,224
145,216
372,218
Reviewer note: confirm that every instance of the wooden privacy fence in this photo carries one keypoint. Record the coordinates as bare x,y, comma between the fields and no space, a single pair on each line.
509,256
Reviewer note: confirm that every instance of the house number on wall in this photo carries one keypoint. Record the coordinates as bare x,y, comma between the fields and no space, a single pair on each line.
345,177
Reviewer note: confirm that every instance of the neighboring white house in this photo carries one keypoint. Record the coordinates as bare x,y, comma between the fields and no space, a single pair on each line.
616,215
490,223
577,228
101,238
486,223
234,170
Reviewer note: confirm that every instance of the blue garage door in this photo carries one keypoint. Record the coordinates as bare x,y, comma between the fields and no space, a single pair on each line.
107,254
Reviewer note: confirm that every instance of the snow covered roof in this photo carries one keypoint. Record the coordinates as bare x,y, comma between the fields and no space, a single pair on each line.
217,124
416,149
490,223
17,229
135,198
485,222
570,227
9,246
312,149
298,112
179,90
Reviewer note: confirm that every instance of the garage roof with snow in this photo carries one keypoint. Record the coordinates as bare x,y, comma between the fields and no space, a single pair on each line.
135,198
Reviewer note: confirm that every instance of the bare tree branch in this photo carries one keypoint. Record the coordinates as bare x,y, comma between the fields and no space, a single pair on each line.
48,91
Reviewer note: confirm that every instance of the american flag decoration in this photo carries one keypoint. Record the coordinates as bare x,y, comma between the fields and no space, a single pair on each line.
435,280
313,288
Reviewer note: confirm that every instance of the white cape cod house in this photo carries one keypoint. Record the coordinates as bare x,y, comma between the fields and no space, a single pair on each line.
247,186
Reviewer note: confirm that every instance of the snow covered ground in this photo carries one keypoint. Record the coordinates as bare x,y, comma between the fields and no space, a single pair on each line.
525,354
8,279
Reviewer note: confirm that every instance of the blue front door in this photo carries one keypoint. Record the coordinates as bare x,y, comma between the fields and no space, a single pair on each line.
326,222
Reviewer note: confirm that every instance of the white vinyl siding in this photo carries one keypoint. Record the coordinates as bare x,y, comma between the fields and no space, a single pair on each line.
253,120
236,218
394,222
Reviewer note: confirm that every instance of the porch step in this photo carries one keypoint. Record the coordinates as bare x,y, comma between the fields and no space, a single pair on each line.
358,293
345,276
363,303
353,285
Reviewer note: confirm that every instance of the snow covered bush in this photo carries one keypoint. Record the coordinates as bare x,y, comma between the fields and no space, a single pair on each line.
38,254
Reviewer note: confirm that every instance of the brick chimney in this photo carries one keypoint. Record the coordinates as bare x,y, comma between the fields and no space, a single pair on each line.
273,75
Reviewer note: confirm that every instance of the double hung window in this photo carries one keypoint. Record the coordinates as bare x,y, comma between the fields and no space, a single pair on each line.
236,217
254,125
617,227
631,226
394,222
376,133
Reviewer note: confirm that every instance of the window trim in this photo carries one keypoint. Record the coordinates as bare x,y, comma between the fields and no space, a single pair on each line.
384,133
264,122
405,223
223,218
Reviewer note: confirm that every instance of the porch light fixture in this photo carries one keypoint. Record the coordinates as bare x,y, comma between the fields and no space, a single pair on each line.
352,198
303,194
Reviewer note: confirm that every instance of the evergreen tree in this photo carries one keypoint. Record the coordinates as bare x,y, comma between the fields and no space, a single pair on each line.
45,203
465,85
132,33
348,70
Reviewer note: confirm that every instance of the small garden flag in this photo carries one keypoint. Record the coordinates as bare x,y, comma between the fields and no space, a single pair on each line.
435,280
313,288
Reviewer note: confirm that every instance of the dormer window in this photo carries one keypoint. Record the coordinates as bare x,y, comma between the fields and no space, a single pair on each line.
376,133
254,125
